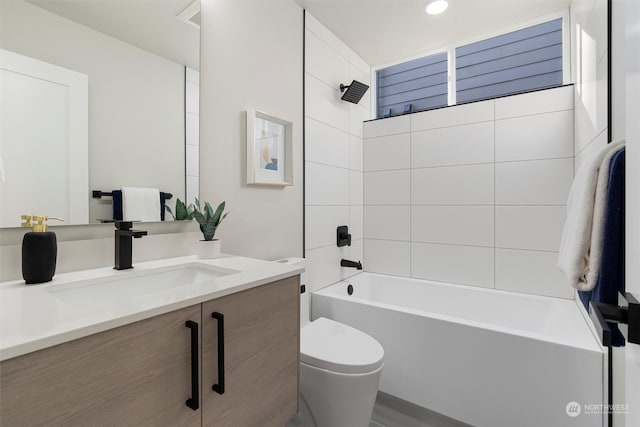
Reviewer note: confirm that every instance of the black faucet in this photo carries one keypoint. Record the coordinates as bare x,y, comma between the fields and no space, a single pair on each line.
124,244
349,263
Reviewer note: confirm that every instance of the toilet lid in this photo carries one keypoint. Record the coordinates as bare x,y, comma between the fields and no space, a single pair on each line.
336,347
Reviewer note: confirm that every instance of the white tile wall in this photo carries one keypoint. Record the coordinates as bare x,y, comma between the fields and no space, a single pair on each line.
356,222
327,36
387,188
323,104
193,188
324,62
539,182
531,272
387,257
467,265
458,225
480,188
454,185
192,131
544,101
458,145
590,150
323,266
356,154
589,73
361,64
192,134
591,110
326,185
192,160
387,222
356,252
530,227
390,126
388,152
547,136
321,223
326,144
444,117
357,115
356,188
192,97
333,155
192,75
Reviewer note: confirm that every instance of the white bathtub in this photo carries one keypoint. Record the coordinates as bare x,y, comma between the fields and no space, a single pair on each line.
482,356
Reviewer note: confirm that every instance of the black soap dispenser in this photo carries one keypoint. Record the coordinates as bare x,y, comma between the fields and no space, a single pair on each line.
39,250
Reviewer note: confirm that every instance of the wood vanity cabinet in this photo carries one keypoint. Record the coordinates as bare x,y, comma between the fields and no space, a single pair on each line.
141,374
261,357
134,375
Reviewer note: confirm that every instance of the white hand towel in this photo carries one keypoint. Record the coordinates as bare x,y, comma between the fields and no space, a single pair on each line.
581,245
140,204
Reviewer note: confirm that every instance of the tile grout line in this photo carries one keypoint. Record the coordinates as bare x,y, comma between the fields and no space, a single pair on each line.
494,195
458,165
410,200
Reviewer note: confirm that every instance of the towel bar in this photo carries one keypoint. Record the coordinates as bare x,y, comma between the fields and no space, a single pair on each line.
97,194
628,314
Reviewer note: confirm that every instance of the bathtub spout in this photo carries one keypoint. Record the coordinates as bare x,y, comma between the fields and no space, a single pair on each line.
349,263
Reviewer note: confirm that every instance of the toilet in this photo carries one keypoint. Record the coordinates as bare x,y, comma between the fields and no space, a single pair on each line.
340,370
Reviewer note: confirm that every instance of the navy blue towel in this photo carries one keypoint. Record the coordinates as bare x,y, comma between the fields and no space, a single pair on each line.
611,277
117,205
163,199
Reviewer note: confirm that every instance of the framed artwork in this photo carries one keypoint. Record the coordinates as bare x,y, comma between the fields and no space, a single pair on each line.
269,150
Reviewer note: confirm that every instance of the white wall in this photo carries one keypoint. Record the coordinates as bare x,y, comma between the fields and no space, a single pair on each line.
589,74
472,194
251,59
333,154
136,99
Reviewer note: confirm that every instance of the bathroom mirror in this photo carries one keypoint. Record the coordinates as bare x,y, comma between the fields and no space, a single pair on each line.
139,61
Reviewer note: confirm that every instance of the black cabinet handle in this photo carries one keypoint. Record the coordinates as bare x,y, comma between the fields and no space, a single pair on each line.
219,387
194,402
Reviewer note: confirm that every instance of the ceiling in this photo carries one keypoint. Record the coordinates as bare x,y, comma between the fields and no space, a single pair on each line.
151,25
380,31
387,31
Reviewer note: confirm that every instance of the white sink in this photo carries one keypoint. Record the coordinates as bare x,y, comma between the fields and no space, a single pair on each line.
130,284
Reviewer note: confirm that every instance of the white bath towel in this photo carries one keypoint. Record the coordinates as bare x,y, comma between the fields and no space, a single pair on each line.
140,204
581,245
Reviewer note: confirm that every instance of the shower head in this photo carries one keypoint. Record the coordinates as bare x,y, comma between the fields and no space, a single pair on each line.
354,92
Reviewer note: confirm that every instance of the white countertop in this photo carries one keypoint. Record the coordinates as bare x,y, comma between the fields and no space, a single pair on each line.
33,318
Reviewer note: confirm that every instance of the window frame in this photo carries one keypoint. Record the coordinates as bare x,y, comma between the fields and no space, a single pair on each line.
451,54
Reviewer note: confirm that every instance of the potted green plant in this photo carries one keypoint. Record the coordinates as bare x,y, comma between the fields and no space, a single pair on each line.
183,212
209,221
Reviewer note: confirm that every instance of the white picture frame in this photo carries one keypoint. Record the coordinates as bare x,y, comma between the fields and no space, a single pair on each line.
269,150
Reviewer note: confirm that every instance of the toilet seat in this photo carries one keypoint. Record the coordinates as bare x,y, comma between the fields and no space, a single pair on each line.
336,347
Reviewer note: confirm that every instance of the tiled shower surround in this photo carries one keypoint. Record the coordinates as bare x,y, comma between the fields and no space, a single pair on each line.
333,154
473,194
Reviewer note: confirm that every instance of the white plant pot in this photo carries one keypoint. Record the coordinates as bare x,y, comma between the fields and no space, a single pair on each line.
208,249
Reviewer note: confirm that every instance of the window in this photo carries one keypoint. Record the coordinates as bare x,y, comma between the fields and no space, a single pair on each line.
419,84
516,62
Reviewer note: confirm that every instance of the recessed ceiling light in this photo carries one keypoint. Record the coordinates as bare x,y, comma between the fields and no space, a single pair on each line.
436,7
